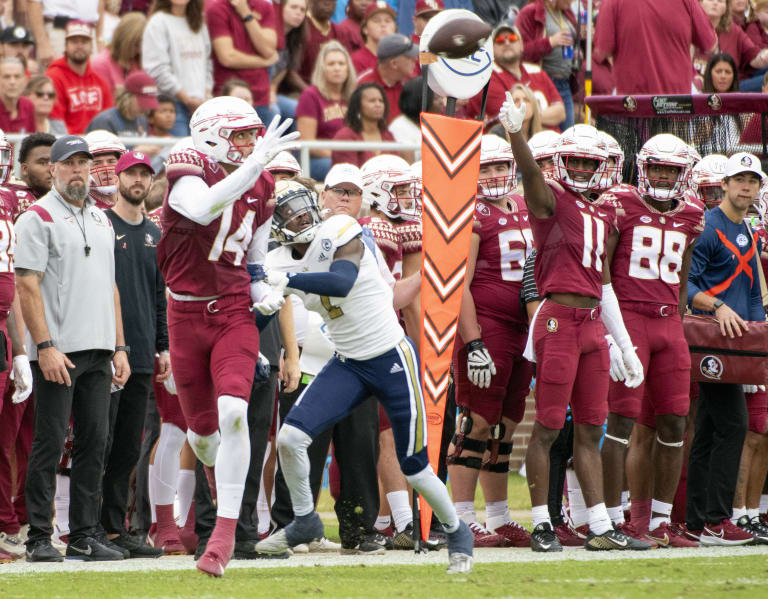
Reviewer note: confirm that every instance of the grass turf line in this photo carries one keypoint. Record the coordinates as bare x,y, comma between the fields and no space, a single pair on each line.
738,576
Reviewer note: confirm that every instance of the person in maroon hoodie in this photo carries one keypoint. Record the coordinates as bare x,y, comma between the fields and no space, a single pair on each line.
349,28
757,31
80,93
379,21
422,13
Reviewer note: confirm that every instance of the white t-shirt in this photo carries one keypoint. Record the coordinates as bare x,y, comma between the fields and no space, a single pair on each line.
83,10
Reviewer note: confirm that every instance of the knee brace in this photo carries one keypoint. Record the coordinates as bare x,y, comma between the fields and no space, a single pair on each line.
496,448
205,447
461,441
624,442
233,415
665,444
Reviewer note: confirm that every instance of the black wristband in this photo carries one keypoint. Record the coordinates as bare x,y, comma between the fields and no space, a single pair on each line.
248,17
44,344
125,348
475,344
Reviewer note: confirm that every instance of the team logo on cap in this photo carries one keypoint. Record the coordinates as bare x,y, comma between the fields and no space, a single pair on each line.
138,155
552,325
711,367
746,161
74,142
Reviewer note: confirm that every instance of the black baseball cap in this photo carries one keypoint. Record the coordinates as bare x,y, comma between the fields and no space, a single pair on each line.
16,34
67,146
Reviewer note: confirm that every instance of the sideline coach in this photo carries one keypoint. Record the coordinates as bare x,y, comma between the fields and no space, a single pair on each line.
65,269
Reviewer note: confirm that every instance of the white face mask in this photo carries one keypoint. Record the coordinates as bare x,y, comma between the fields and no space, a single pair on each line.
494,188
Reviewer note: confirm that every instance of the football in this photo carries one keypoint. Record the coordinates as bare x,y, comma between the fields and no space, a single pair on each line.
459,37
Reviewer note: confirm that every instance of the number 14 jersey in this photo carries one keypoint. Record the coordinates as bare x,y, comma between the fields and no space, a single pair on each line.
649,255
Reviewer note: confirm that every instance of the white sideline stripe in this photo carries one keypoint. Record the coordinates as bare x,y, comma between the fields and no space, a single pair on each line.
390,558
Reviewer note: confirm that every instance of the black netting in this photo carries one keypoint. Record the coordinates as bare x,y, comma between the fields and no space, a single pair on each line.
709,134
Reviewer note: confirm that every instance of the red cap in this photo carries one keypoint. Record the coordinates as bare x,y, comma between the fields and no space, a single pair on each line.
378,6
145,88
130,159
427,6
79,28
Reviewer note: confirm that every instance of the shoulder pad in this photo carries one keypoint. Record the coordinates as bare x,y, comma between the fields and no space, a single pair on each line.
185,163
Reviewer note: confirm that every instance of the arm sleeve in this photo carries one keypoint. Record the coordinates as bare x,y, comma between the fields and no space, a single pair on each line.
257,249
530,292
337,282
155,56
32,238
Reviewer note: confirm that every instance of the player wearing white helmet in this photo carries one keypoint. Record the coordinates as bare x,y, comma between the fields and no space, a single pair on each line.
390,187
215,227
106,148
491,376
614,169
575,237
543,145
664,164
336,275
284,166
706,180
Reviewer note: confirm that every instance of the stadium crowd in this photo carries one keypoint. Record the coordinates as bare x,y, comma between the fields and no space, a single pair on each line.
168,329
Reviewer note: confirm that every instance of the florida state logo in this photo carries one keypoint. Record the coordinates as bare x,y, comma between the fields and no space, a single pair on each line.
711,367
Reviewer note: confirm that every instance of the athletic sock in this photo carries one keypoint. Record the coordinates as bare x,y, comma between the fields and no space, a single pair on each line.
166,523
382,523
738,512
222,540
436,494
185,490
625,500
496,514
640,514
753,513
466,511
763,504
616,514
599,520
576,505
400,507
540,515
665,511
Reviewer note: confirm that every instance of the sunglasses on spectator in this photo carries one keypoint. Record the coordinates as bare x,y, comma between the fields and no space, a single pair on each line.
509,37
49,95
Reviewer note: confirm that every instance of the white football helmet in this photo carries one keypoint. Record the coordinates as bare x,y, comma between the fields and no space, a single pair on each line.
613,171
284,162
580,141
664,149
215,120
761,204
6,158
390,186
493,150
706,177
100,142
295,208
543,145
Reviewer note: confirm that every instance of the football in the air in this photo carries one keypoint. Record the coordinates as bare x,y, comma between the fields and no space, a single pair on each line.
459,38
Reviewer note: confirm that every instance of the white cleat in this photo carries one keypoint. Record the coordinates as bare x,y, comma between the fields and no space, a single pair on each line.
273,544
300,548
459,563
323,546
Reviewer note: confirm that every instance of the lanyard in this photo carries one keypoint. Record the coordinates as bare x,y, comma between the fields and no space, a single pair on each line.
87,248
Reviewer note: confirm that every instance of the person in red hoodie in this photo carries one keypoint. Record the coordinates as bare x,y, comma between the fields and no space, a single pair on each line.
349,28
80,93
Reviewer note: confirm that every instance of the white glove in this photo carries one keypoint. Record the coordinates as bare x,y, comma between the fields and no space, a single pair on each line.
480,366
746,388
510,116
170,385
273,142
21,375
618,371
634,368
266,298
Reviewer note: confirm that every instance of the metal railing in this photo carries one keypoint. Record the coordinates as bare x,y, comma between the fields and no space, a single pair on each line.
304,146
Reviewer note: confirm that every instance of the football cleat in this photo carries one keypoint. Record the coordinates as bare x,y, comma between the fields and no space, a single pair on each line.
725,534
484,537
43,551
754,526
513,534
614,539
460,543
567,536
458,563
544,539
168,539
631,530
88,549
667,535
11,544
404,539
324,545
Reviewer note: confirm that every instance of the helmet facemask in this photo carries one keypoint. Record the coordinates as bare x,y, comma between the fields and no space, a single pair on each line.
659,188
103,177
572,171
296,216
497,185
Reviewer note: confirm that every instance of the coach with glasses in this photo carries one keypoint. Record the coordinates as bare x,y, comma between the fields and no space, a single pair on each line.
65,268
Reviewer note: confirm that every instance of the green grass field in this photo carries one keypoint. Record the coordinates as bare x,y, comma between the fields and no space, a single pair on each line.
727,576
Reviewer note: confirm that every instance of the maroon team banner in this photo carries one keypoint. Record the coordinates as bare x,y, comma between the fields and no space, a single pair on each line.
450,164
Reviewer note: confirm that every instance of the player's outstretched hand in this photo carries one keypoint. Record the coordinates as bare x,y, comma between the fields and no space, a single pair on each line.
634,368
618,370
511,116
274,141
480,366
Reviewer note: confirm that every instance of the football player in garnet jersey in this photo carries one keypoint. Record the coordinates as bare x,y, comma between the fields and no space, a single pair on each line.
574,242
492,377
657,229
216,220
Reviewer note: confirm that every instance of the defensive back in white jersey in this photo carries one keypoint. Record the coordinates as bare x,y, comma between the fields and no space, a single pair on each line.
363,324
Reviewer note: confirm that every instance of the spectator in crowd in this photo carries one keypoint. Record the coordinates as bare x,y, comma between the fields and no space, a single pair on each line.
17,113
176,52
244,46
66,284
349,28
548,28
732,40
396,60
720,75
128,117
509,70
80,93
496,11
422,13
123,55
406,127
162,119
740,12
634,36
320,29
50,19
378,21
42,94
142,293
323,105
17,41
285,71
366,120
719,284
238,89
757,31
